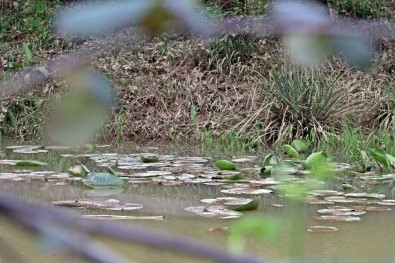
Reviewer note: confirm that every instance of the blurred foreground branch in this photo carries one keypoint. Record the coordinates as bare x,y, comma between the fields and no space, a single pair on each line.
68,228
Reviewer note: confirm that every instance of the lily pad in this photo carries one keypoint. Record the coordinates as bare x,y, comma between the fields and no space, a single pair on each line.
109,204
321,229
266,171
371,208
315,160
291,151
365,195
342,212
78,170
214,211
120,217
94,180
30,163
149,158
225,165
246,190
379,156
227,201
271,160
253,205
335,218
299,146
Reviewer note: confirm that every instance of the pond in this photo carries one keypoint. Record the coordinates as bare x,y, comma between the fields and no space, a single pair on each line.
164,198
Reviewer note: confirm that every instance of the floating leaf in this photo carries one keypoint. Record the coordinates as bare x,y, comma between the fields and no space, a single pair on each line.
291,151
266,171
78,170
119,217
321,229
379,156
149,158
342,212
271,160
334,218
315,160
390,158
102,179
235,177
109,204
253,205
227,201
365,195
299,146
214,211
225,165
30,163
246,190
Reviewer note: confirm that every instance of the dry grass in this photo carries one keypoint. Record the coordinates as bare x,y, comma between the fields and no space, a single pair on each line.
160,81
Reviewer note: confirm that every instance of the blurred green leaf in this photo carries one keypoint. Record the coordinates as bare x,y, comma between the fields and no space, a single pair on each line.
266,229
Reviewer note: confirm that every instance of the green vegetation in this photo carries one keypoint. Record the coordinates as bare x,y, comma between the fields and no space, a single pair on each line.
364,8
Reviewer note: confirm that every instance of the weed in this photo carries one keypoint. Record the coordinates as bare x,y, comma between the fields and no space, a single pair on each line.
23,118
363,8
308,100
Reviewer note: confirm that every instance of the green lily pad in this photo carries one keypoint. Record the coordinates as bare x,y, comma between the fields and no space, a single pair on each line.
379,156
30,163
149,158
94,180
225,165
315,160
291,151
78,170
266,170
390,158
271,160
253,205
235,177
299,146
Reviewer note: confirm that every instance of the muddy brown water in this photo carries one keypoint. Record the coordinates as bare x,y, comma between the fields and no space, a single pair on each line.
371,240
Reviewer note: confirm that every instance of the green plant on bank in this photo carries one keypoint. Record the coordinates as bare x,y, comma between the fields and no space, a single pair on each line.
306,101
23,118
30,20
230,141
238,7
228,50
363,8
28,54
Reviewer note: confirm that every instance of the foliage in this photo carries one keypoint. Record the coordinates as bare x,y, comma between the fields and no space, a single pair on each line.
363,8
307,100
